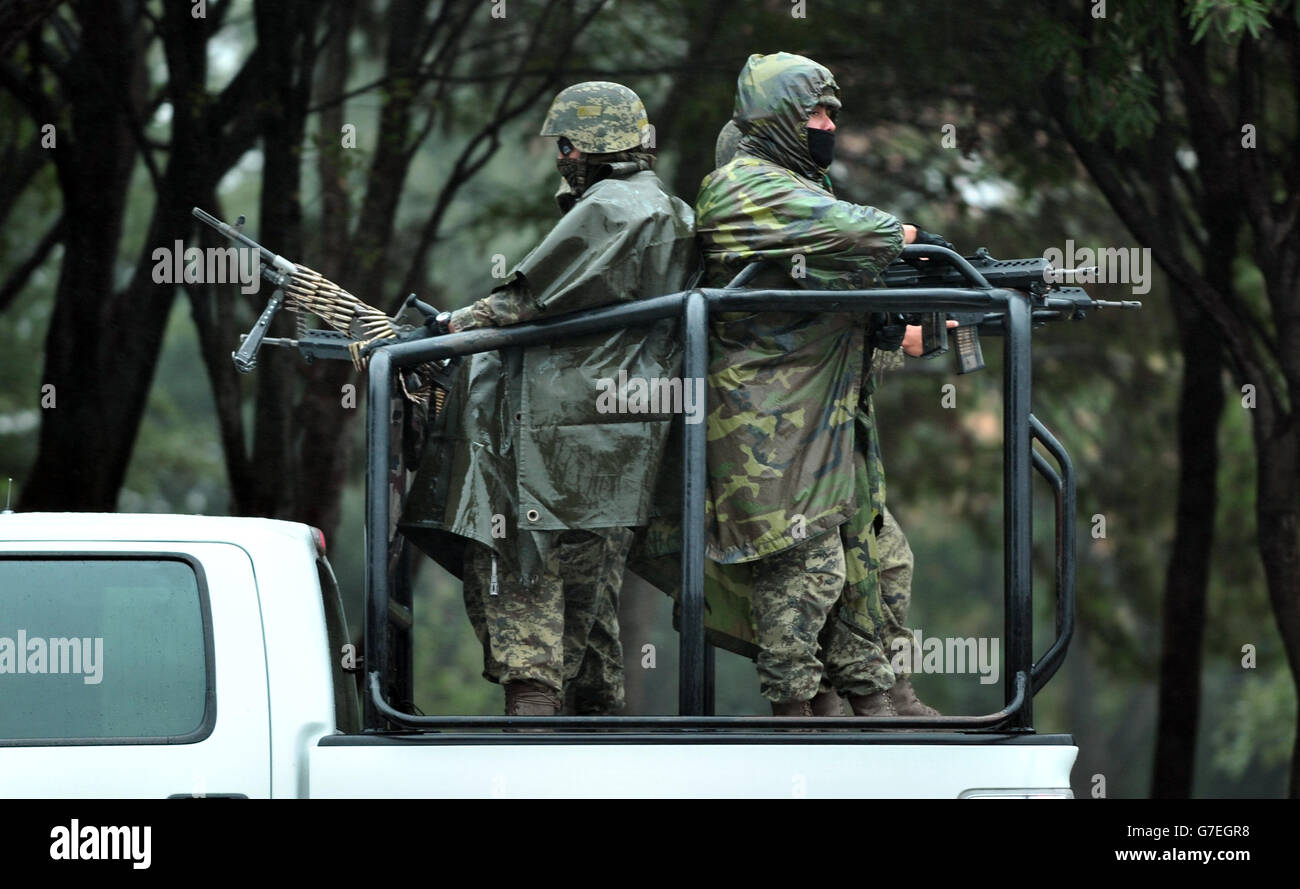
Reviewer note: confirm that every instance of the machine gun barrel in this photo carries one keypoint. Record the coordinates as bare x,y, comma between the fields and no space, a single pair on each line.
275,268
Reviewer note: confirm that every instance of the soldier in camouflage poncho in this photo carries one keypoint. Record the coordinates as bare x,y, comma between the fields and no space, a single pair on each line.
894,555
796,486
523,460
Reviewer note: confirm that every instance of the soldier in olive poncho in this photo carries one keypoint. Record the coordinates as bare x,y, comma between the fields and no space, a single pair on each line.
522,461
796,484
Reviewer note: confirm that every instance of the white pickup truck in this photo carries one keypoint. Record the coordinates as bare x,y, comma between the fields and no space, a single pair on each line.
192,656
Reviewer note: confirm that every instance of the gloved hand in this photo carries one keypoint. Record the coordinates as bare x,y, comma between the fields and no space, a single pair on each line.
925,237
888,331
461,319
439,323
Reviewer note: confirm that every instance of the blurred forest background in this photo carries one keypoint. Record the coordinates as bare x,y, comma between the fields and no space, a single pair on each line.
391,144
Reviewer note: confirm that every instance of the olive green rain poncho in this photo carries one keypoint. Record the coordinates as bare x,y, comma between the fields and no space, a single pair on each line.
522,444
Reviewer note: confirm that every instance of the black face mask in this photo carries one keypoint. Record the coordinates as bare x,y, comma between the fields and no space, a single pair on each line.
574,172
821,145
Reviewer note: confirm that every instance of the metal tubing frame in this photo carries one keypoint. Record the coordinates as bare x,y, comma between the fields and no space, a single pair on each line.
1017,518
694,305
1058,492
375,547
690,666
713,723
1063,487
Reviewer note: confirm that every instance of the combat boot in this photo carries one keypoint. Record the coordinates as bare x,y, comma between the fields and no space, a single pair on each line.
907,703
527,697
792,708
827,703
875,704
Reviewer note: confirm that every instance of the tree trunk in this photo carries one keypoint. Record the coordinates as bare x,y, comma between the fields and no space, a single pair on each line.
1277,448
99,374
1276,493
1199,410
276,467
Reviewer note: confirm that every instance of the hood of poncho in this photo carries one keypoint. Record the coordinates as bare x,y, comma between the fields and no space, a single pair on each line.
775,96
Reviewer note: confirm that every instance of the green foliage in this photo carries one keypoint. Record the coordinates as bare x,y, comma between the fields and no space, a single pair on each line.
1257,730
1230,18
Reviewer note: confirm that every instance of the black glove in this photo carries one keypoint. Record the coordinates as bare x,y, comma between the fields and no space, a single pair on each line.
888,332
924,237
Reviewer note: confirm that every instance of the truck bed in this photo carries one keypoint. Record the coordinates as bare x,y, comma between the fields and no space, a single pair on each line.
689,764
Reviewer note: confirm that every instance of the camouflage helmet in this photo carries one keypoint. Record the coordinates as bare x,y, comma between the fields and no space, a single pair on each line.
598,117
728,141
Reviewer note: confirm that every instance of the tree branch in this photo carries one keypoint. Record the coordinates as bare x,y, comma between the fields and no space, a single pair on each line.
478,152
19,169
1099,163
441,57
28,94
18,279
19,18
584,72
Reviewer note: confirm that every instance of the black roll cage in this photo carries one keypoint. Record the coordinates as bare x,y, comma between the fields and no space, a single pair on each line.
388,617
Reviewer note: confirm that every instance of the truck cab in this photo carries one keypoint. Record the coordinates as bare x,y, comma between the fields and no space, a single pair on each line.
166,656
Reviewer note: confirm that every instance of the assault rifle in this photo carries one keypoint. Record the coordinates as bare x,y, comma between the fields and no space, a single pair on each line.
935,267
357,326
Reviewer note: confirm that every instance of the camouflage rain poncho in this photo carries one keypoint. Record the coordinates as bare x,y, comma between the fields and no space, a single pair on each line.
792,444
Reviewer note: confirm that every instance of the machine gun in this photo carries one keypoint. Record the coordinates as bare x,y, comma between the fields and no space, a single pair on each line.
338,346
1035,275
357,327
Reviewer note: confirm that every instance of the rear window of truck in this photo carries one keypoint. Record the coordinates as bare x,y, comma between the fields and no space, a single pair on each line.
104,649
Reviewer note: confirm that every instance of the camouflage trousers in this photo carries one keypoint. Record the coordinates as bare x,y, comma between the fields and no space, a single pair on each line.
801,641
876,653
562,630
895,580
